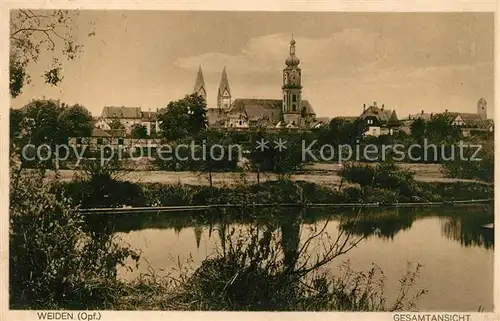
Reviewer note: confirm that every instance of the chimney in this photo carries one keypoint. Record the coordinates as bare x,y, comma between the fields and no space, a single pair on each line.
374,104
446,110
383,106
409,116
432,114
364,107
422,112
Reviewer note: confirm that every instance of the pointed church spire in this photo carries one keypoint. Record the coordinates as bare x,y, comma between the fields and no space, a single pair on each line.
224,93
199,86
224,83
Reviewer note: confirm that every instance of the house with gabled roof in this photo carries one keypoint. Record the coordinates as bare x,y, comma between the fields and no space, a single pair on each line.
470,123
379,120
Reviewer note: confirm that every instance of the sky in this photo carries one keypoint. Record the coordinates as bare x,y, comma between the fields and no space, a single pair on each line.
407,61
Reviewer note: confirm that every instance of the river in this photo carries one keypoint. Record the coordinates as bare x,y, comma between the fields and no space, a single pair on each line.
451,244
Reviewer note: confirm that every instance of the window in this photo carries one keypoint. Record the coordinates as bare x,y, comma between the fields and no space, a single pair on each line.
99,141
369,121
294,107
120,141
78,140
240,122
294,98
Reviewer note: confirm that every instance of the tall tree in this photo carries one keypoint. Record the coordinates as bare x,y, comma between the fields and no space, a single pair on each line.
197,113
44,118
33,32
441,129
418,128
16,117
184,117
75,121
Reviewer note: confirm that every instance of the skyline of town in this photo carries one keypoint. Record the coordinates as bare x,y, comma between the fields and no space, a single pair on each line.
350,62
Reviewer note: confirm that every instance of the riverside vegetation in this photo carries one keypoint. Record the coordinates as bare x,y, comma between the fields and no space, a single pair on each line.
59,259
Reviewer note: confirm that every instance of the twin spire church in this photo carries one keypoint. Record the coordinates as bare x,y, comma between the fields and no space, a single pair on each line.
290,112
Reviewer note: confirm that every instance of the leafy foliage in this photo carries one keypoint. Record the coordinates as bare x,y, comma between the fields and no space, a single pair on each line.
75,121
184,117
55,260
139,131
463,166
33,32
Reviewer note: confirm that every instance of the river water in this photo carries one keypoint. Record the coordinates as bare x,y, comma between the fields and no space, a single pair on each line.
451,244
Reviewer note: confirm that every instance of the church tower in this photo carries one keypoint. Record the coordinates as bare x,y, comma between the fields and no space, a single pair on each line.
199,86
224,93
482,108
292,87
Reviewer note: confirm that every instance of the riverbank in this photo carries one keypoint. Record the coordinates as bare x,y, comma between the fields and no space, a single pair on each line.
114,193
323,174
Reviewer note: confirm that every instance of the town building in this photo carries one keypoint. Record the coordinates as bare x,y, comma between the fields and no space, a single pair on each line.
291,112
128,117
470,123
379,120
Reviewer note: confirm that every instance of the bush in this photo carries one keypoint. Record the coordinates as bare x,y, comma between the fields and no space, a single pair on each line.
55,260
463,167
382,176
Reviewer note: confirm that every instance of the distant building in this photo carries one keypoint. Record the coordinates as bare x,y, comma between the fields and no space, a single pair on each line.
128,117
378,120
405,123
291,112
470,123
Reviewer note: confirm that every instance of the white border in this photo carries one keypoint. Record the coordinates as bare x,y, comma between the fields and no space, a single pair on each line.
249,5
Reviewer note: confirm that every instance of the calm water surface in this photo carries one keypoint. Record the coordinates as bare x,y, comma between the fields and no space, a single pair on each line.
455,250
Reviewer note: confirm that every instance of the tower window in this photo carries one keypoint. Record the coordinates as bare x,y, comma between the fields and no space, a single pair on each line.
294,107
294,98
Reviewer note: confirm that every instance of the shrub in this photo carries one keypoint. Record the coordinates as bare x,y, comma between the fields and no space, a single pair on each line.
462,167
55,260
383,176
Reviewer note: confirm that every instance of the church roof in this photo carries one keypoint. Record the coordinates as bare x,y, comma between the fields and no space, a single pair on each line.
224,83
258,108
200,82
264,108
121,112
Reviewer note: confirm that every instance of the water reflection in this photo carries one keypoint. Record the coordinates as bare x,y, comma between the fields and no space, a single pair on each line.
469,230
461,224
382,224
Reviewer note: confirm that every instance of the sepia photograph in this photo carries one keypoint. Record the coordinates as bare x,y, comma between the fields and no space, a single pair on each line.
185,160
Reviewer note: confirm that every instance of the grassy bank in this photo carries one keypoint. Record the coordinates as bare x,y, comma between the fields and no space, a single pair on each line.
113,193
